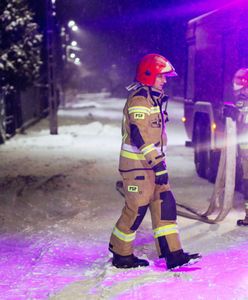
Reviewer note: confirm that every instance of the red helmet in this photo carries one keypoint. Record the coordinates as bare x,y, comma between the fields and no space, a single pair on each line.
150,66
240,79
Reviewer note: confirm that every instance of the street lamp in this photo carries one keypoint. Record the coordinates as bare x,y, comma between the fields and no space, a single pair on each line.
71,23
74,28
52,82
71,48
71,52
74,43
77,61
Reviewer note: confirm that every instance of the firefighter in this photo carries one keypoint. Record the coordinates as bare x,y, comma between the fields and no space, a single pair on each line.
239,113
144,172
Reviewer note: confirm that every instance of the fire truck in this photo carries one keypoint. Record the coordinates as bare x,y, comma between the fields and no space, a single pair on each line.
217,46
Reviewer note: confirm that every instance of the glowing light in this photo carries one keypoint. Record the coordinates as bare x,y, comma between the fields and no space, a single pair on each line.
72,55
183,119
74,43
77,61
71,23
74,28
214,126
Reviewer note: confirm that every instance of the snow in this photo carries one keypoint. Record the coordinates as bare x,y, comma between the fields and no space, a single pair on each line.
58,205
17,20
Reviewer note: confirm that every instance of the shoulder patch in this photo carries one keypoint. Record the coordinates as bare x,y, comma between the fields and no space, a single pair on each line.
142,93
139,116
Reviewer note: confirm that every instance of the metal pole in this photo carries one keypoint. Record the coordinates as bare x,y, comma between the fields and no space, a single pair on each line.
51,76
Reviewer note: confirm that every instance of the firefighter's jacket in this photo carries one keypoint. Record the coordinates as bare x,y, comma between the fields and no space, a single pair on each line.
143,130
242,130
242,118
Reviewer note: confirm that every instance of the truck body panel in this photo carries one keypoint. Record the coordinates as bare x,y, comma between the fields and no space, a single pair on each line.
217,46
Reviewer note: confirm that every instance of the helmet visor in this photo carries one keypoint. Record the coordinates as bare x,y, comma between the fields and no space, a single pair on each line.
172,73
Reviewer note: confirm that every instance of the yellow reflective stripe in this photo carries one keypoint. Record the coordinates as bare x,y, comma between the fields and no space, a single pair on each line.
243,146
152,110
123,236
161,172
155,110
134,156
165,230
148,149
138,109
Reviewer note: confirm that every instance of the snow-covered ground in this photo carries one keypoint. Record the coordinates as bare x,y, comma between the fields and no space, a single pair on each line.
58,205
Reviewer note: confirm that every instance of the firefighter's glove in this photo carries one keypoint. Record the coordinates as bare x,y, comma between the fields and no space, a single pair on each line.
161,174
231,111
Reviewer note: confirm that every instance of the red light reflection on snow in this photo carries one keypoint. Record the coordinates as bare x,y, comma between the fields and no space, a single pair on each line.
35,267
221,275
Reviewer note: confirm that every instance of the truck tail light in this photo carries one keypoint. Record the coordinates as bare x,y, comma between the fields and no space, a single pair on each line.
214,126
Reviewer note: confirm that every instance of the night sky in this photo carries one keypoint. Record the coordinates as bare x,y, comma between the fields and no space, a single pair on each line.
115,34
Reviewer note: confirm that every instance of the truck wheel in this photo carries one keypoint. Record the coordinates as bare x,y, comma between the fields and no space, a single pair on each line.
213,165
206,160
239,175
2,136
200,153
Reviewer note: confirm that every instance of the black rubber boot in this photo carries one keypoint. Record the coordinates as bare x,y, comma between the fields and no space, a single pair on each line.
243,222
130,261
180,258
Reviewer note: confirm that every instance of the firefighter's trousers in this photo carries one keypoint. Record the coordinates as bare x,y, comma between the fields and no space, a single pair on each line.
142,193
244,161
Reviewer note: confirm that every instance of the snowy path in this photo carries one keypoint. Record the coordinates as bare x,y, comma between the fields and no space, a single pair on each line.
58,206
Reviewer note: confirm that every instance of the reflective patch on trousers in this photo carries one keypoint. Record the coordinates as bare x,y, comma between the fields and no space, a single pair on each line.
133,188
165,230
141,213
168,206
126,237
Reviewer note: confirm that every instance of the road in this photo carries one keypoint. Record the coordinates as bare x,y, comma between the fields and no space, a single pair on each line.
58,207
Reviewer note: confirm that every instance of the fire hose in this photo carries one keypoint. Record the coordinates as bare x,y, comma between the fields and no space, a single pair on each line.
221,201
